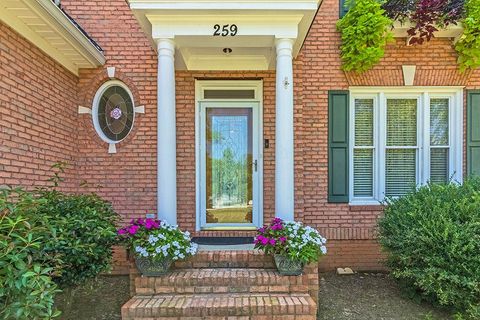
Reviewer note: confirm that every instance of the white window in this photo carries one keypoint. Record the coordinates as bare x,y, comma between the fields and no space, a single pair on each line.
402,138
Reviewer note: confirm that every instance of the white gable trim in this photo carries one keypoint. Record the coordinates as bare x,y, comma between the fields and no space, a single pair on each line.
47,27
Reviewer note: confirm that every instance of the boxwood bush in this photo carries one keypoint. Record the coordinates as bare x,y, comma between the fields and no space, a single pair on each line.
432,240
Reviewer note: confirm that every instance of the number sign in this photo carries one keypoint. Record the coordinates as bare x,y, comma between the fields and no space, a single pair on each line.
225,30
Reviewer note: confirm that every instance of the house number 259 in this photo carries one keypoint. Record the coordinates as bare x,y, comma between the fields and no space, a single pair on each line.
225,30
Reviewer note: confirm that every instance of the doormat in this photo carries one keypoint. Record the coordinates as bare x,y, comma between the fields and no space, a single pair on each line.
222,240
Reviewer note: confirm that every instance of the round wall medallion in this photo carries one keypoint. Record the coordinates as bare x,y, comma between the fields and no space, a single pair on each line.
113,111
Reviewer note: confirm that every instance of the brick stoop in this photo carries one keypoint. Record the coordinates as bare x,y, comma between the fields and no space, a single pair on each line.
221,285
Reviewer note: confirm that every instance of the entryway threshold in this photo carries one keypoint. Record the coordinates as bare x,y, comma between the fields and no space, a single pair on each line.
225,247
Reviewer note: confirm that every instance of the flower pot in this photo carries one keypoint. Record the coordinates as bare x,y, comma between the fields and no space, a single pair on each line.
151,268
288,267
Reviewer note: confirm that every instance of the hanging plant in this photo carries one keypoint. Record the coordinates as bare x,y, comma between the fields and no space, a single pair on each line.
468,46
426,16
365,33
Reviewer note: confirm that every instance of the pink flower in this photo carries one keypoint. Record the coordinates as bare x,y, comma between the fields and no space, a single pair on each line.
140,221
264,241
277,226
133,229
277,221
273,242
122,231
261,230
283,239
149,223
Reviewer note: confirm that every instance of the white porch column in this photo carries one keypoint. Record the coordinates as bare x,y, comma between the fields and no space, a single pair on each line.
166,133
284,149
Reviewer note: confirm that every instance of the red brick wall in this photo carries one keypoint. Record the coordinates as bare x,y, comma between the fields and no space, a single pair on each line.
436,65
317,70
128,178
361,255
37,114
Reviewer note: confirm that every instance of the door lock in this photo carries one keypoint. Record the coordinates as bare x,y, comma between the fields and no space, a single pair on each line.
255,165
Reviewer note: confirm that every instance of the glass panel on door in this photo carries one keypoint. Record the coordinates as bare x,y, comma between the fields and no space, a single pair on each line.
229,166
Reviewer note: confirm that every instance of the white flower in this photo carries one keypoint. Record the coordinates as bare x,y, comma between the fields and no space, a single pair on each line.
152,239
323,249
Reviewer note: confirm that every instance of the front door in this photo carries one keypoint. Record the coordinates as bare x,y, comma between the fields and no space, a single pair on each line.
229,161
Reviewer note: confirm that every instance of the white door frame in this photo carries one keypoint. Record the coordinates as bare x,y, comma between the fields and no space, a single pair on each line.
257,105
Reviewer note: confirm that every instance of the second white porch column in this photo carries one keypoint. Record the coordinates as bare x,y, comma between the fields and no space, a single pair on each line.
284,149
166,133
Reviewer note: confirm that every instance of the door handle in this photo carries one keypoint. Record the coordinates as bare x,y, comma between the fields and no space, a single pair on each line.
255,165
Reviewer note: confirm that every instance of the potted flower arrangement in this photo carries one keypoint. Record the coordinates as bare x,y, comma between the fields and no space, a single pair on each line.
292,244
156,245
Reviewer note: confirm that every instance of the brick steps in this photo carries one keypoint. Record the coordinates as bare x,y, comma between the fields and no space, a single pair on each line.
250,306
227,259
221,280
223,285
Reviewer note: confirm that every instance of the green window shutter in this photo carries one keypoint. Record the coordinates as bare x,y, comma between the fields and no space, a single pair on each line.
473,132
344,7
338,106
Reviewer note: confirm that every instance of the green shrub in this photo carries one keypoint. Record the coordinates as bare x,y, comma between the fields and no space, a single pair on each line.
432,238
468,46
50,240
365,33
26,288
82,231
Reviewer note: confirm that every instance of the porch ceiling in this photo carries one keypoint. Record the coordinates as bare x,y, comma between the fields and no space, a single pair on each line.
257,24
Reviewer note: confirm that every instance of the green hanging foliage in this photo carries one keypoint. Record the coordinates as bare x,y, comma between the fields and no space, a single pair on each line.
468,46
365,32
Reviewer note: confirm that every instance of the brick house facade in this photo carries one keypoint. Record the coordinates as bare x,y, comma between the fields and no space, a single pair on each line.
40,123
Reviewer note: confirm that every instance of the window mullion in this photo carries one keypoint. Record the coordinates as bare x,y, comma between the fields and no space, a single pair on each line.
381,144
425,141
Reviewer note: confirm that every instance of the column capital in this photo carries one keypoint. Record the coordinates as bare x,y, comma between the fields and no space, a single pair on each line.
284,46
165,46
